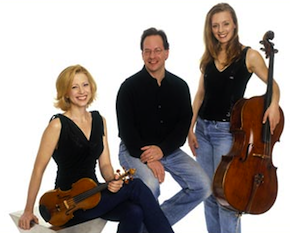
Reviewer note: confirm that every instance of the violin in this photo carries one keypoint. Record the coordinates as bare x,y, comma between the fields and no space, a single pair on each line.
246,180
57,206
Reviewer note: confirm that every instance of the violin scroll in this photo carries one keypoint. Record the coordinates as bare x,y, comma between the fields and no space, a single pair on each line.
128,174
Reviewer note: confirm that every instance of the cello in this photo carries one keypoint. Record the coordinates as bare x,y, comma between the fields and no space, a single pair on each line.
245,179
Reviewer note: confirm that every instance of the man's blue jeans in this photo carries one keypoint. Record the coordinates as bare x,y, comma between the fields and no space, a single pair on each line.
195,184
214,139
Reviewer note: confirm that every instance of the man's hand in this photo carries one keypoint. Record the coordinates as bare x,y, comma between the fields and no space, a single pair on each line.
157,169
150,154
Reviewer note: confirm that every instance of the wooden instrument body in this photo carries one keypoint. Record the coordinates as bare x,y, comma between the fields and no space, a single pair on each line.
61,205
57,206
246,179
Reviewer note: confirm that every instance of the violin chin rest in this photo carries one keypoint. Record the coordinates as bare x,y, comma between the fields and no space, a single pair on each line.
44,213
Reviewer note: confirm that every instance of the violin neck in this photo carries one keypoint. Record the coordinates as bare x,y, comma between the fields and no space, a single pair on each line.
90,192
101,187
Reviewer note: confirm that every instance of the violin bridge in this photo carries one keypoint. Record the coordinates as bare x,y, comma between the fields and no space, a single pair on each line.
66,204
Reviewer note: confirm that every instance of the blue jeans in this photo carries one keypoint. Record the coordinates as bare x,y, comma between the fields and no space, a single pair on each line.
132,206
214,139
194,183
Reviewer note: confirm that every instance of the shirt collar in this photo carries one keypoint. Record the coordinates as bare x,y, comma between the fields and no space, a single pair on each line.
147,76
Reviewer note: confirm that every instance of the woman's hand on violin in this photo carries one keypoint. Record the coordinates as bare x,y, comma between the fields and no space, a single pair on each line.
192,142
115,185
26,220
273,114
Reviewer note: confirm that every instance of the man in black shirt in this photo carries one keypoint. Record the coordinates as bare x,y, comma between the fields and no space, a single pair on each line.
154,114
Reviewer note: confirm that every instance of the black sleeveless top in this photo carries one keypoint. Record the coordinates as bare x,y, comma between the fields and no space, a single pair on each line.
75,156
224,88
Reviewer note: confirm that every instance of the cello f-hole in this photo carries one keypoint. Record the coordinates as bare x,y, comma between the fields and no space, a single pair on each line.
248,151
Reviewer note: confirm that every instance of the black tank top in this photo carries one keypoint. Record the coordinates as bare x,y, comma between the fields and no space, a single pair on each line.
75,156
224,88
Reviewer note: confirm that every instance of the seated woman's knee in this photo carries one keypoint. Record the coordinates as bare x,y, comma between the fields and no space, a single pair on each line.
134,212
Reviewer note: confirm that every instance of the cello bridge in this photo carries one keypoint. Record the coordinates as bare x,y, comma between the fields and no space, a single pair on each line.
262,156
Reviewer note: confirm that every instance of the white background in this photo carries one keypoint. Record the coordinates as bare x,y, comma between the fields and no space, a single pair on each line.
42,37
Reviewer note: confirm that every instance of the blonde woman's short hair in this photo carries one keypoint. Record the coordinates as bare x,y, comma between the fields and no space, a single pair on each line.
64,83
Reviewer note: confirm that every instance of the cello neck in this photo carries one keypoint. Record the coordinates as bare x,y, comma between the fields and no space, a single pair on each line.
269,92
270,51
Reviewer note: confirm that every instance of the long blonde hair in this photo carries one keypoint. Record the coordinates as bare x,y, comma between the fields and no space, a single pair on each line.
64,82
212,45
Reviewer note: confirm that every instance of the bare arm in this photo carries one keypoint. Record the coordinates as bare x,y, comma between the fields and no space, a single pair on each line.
198,99
106,167
256,64
47,145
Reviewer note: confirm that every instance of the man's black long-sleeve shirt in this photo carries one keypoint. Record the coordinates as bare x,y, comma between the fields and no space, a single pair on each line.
149,114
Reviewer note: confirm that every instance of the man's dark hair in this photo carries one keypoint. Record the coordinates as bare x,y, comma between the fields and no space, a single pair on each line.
152,32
